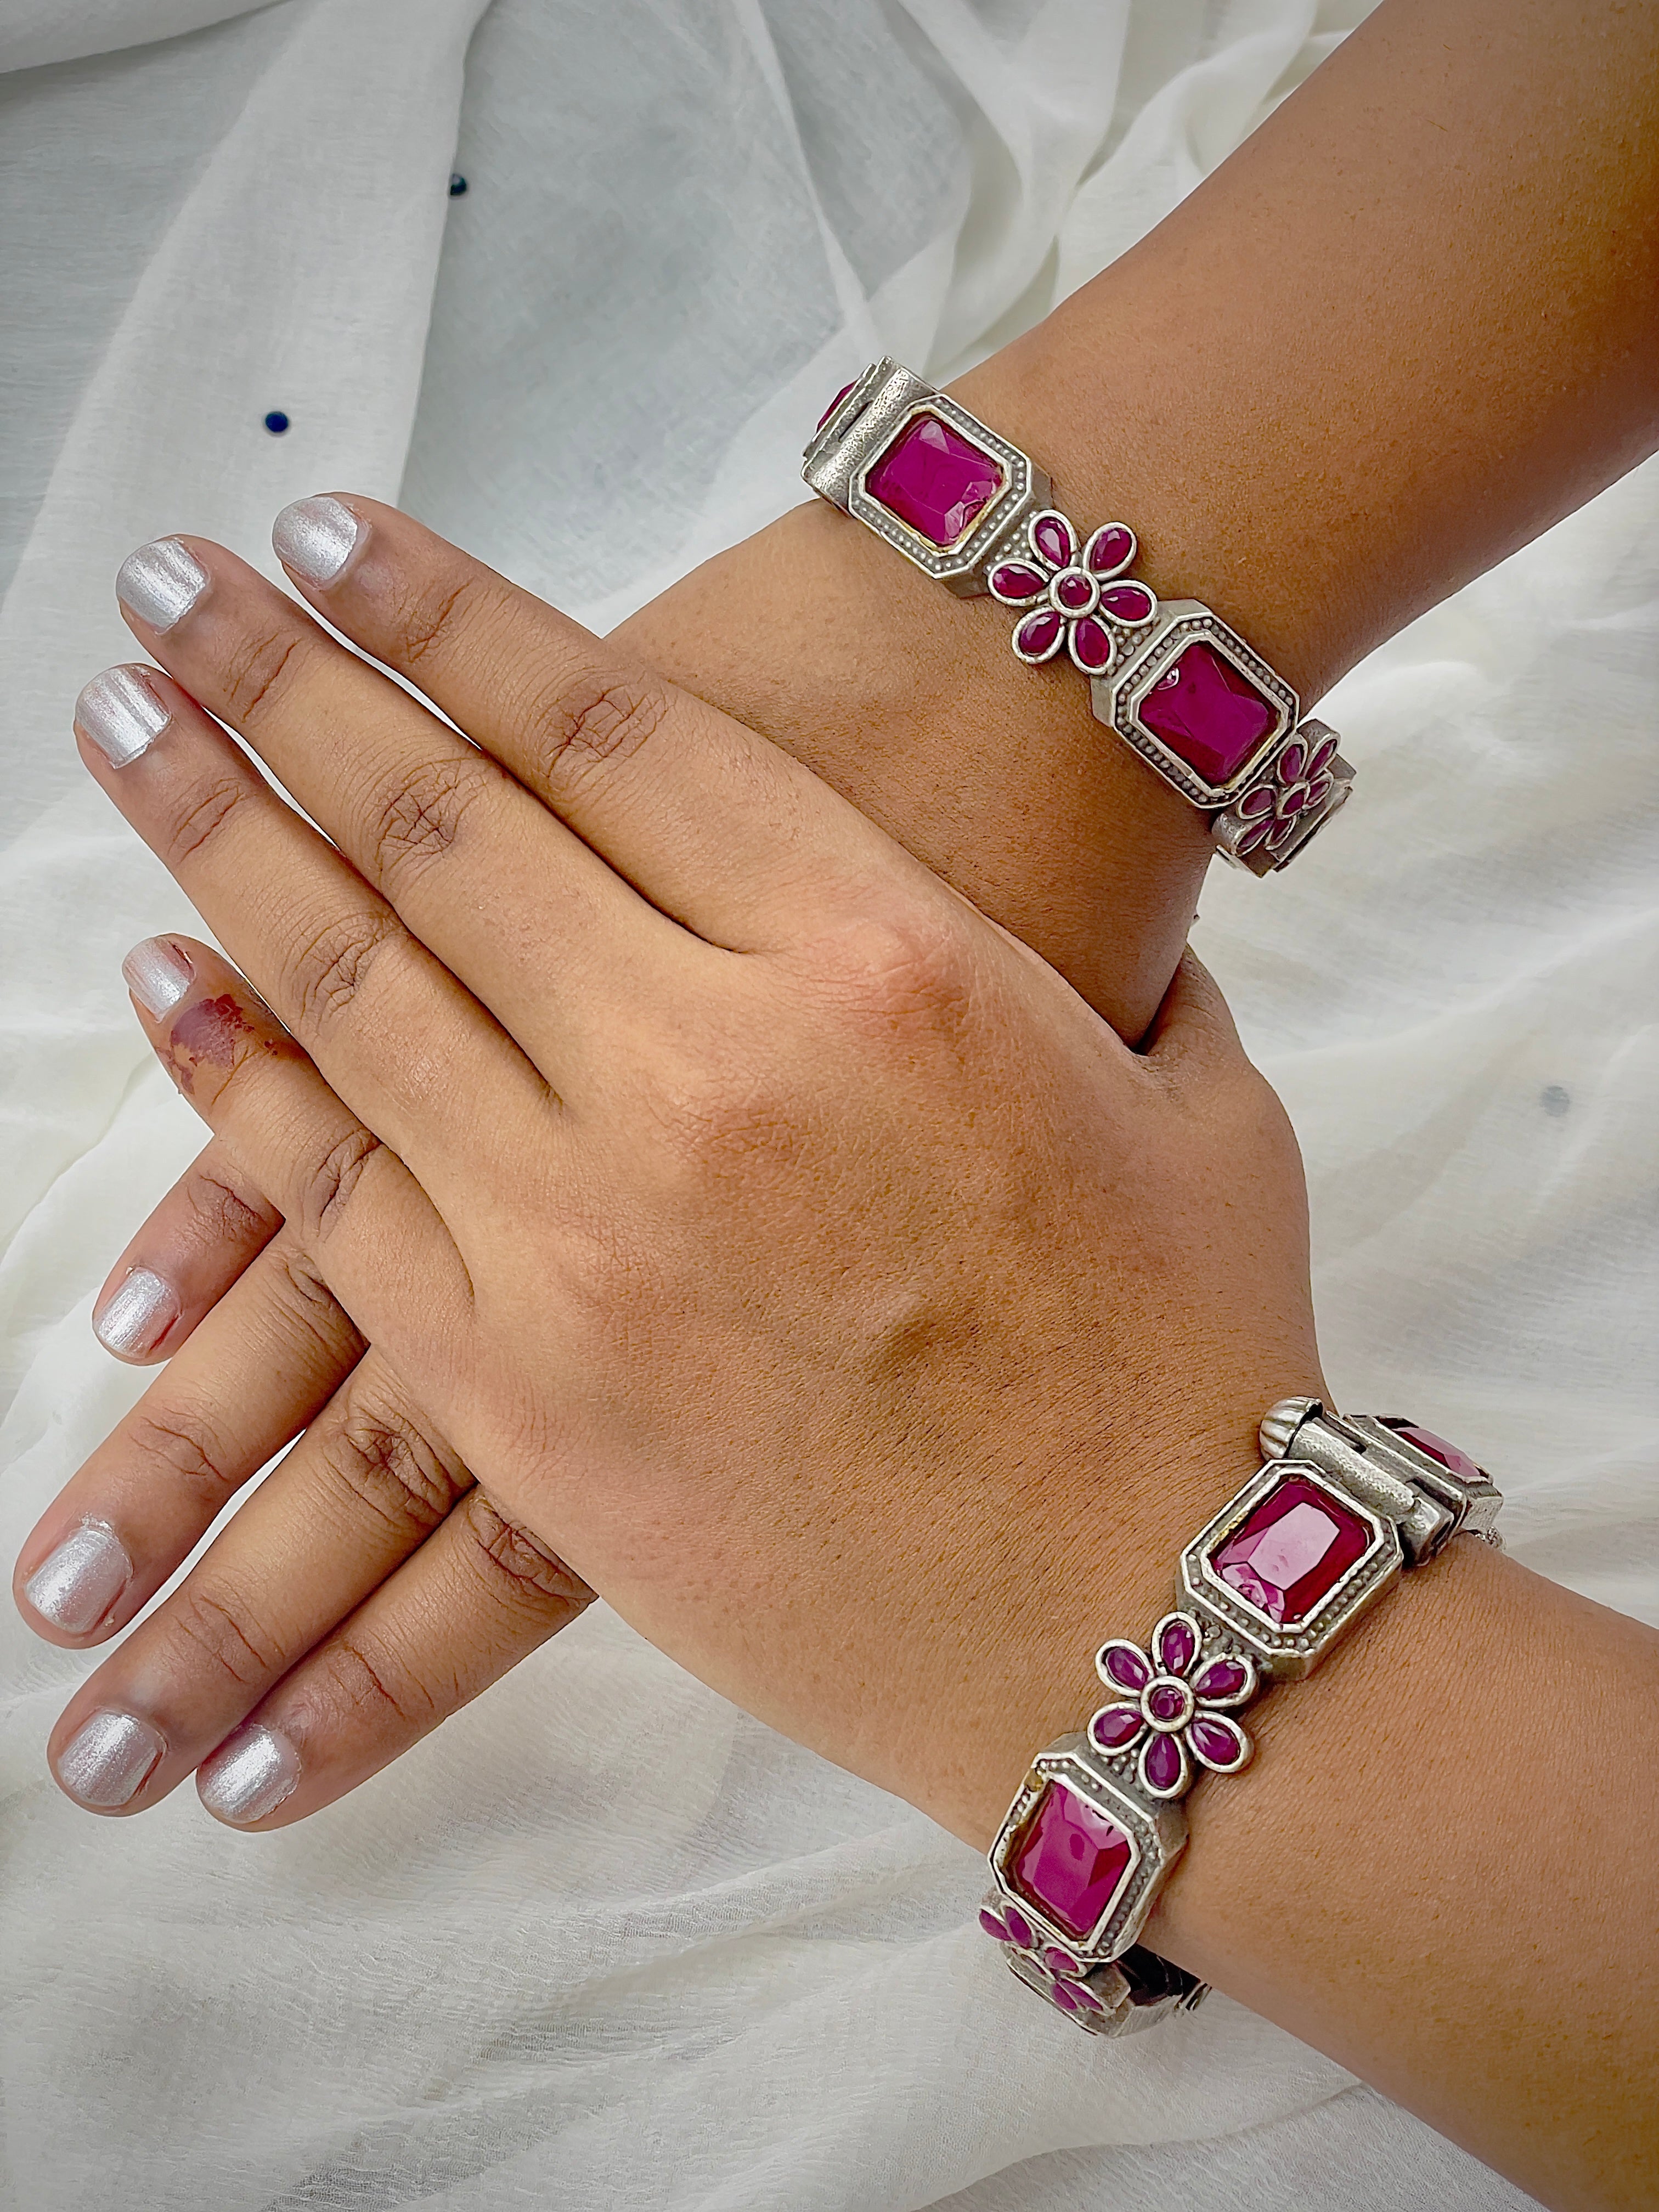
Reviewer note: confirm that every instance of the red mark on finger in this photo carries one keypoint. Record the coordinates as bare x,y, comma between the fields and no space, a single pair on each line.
215,1033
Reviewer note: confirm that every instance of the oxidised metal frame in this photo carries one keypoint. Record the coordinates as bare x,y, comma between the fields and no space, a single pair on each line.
1286,1655
1117,696
859,431
854,434
1412,1505
1156,1834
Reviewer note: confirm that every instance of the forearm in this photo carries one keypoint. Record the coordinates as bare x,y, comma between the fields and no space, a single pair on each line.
1404,328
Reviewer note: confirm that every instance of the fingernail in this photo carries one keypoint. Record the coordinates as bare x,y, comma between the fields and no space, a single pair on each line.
136,1315
250,1774
78,1585
315,538
161,583
158,975
121,714
107,1763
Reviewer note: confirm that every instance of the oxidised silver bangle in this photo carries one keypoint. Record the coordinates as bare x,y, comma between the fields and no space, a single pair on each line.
1316,1536
1195,702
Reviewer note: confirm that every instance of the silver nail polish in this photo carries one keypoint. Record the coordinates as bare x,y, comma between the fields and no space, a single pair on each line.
251,1773
137,1314
158,975
106,1763
121,714
161,583
78,1585
315,538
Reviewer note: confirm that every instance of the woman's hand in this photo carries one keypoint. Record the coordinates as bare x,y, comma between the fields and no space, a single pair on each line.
802,1258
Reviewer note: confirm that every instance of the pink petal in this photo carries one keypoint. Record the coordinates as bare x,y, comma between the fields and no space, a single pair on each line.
1174,1643
1292,801
1319,790
989,1920
1323,757
1054,538
1128,603
1257,834
1110,550
1257,800
1115,1728
1040,637
1064,1996
1019,1928
1280,833
1162,1766
1084,1998
1288,766
1092,647
1224,1681
1016,585
1124,1666
1219,1743
1062,1964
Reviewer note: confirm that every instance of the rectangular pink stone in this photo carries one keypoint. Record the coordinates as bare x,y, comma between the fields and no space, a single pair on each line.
1071,1861
935,480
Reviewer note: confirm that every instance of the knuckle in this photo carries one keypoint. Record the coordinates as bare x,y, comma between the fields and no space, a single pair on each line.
364,1682
378,1453
520,1566
592,722
218,1630
724,1107
432,613
181,1446
332,967
420,816
203,814
328,1184
259,670
226,1213
901,974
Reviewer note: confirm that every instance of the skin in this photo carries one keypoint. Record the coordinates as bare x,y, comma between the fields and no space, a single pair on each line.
795,1115
1457,358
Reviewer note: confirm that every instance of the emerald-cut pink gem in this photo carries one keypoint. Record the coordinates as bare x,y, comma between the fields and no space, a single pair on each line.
1071,1861
1448,1456
935,480
1292,1552
1208,712
834,402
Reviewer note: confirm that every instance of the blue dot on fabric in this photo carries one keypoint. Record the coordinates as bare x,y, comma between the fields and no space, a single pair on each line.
275,422
457,185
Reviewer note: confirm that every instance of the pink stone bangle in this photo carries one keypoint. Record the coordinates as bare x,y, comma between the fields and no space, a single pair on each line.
1339,1508
1172,679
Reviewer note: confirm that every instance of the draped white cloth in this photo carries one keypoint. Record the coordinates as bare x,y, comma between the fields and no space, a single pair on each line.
603,1941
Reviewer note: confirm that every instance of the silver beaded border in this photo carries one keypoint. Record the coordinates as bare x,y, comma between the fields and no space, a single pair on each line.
1156,1834
1287,1654
858,432
1118,694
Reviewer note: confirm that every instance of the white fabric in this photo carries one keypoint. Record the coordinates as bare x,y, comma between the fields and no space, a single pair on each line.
603,1941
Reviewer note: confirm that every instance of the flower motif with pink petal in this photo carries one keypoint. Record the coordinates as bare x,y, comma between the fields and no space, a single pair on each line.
1298,782
1056,1973
1077,597
1172,1702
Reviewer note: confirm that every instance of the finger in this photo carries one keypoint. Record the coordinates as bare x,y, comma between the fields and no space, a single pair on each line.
369,1479
386,1024
212,1226
348,1200
480,1595
261,1365
479,869
717,826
